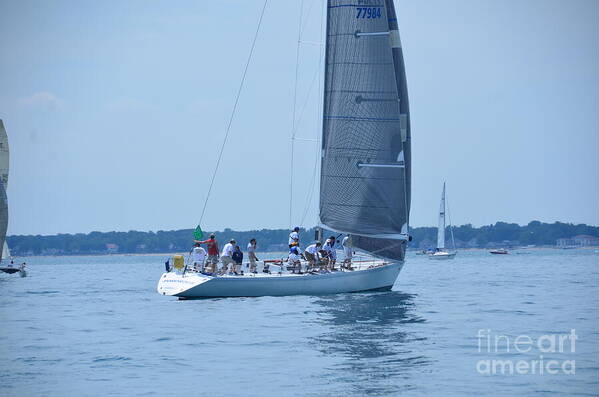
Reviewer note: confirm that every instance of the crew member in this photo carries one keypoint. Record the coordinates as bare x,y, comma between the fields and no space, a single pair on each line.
347,250
238,258
212,245
226,256
294,236
329,248
311,253
294,259
198,256
252,255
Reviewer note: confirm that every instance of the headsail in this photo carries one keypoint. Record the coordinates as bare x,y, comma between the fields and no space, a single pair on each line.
4,154
3,215
5,251
365,175
441,228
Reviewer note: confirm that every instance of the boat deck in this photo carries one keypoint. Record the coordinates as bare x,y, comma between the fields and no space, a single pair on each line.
278,268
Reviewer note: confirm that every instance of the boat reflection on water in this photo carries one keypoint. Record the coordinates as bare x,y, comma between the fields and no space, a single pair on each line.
372,335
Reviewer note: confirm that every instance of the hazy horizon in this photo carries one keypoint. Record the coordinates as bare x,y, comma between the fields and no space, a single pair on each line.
115,112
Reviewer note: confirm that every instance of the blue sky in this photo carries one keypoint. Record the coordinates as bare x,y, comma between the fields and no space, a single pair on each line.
115,111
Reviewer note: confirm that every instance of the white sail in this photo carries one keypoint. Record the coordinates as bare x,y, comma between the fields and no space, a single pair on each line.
441,229
4,163
5,251
4,155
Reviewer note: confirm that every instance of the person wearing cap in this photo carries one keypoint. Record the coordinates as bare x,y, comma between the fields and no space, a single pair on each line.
331,253
212,246
311,253
252,255
226,256
294,236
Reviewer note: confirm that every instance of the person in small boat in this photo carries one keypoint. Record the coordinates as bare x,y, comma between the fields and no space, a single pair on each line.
294,236
294,259
198,256
238,258
212,246
311,253
226,256
252,255
331,253
348,251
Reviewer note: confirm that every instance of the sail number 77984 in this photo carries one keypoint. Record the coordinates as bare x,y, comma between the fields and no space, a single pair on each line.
368,12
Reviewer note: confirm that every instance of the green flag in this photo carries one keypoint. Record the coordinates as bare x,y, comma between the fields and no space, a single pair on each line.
198,233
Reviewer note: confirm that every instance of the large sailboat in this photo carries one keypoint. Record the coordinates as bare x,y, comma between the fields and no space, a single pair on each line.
441,252
365,169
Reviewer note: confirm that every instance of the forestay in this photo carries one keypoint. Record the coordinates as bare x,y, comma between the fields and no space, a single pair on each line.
365,175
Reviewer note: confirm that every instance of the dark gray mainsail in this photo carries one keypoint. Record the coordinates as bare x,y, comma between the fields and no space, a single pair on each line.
365,174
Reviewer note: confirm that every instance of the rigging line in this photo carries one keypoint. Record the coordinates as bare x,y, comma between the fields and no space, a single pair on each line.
297,53
450,222
301,114
308,16
310,190
222,148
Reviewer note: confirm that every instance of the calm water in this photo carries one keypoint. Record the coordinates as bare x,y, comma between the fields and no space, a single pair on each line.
95,325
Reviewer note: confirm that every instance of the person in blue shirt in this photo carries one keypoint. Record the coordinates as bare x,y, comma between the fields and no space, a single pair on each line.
294,258
238,259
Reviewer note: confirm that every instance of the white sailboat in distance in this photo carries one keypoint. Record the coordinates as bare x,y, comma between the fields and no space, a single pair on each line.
365,170
441,252
7,266
4,168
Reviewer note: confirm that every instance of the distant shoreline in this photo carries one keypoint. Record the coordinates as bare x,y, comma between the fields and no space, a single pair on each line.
464,237
410,251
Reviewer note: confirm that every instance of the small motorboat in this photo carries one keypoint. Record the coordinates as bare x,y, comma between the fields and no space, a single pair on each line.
499,251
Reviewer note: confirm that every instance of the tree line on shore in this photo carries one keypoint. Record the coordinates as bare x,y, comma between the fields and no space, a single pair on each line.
499,234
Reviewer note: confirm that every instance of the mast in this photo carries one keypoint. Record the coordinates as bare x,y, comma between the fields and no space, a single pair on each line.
365,170
441,228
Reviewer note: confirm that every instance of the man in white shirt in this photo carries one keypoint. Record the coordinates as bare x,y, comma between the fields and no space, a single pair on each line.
198,255
347,250
311,253
294,236
329,248
252,255
226,256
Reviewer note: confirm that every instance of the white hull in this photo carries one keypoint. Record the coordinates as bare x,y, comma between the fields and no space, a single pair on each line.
440,255
197,285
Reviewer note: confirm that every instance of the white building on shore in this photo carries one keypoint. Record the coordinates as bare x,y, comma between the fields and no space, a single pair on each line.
582,240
